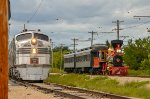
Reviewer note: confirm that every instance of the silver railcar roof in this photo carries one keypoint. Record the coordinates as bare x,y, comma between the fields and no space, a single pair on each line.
87,50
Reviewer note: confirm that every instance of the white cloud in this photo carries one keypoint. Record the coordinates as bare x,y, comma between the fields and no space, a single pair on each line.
77,17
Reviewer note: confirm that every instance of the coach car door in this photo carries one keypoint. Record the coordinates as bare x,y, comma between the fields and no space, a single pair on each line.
95,58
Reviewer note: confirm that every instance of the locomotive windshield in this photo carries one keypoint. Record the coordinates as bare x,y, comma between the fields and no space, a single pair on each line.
24,36
41,36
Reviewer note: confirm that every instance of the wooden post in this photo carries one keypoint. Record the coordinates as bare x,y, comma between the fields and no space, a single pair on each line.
3,49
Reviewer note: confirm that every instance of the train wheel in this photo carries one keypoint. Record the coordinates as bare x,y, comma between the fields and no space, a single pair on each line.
91,71
80,71
75,70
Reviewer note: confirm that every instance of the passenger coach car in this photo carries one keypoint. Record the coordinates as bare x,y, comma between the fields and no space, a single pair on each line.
87,60
29,55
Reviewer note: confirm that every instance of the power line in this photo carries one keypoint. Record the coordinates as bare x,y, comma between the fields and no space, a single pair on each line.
89,39
137,25
141,16
38,7
105,32
124,37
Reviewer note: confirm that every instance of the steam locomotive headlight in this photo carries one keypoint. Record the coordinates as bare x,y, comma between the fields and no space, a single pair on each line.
34,41
34,51
118,60
118,51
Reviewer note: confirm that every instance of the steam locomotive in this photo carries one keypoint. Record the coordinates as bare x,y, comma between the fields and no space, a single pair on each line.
117,68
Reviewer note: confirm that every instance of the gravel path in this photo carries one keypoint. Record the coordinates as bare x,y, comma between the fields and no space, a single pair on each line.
123,80
21,92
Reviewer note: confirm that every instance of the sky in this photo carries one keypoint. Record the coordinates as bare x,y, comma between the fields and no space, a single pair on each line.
63,20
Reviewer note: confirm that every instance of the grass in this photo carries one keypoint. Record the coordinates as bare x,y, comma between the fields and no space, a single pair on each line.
133,89
139,72
130,72
56,70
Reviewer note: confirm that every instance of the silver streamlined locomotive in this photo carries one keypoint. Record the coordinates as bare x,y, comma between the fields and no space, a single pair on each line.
29,55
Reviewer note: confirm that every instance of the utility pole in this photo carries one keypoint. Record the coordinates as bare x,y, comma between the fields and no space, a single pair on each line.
52,58
61,62
74,50
4,16
118,28
24,27
92,33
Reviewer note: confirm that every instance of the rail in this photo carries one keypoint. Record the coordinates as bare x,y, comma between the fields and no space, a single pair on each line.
70,92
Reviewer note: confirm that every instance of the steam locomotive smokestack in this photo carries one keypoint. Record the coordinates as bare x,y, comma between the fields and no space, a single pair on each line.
116,42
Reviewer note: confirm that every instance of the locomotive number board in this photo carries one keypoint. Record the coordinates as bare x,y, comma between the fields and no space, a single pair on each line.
34,60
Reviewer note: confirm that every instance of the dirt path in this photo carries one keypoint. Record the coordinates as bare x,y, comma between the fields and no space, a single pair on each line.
123,80
22,92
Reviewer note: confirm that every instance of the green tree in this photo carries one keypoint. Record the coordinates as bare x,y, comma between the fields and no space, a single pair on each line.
57,55
145,64
58,48
136,53
108,44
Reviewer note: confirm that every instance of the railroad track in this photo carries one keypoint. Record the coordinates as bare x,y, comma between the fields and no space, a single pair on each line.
83,93
70,92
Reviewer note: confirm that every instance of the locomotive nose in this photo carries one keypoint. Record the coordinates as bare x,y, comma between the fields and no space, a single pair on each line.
34,50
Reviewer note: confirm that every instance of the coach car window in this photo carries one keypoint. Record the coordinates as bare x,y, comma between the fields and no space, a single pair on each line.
95,54
88,57
103,55
41,36
24,36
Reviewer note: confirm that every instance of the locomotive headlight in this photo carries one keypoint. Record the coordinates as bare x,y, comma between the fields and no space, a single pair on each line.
34,41
118,51
34,50
117,60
